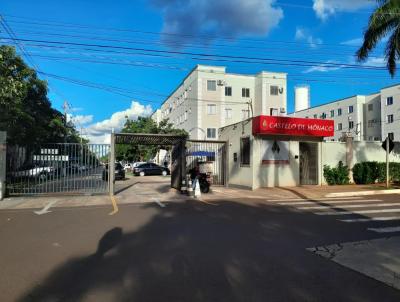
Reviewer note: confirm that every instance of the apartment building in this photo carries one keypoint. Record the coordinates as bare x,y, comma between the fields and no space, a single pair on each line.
209,98
358,116
390,112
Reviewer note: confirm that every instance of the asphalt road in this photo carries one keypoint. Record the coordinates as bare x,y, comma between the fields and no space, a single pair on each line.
235,250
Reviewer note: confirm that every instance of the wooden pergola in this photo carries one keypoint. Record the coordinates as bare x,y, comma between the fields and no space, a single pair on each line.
178,143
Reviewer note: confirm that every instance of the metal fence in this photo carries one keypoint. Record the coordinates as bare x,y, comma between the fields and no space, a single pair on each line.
57,168
209,153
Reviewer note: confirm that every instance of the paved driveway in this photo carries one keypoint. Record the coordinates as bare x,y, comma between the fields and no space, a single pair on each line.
235,249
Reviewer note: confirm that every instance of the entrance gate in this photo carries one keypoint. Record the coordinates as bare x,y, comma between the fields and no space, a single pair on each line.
56,168
178,152
211,154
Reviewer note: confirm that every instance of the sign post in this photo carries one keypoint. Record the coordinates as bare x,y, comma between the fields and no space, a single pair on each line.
388,146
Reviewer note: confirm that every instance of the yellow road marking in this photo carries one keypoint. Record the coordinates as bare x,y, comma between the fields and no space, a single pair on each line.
114,204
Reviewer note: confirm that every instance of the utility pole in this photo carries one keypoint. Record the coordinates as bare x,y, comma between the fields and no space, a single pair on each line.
387,161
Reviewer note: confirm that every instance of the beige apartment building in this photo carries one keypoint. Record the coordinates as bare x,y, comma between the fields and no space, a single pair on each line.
210,98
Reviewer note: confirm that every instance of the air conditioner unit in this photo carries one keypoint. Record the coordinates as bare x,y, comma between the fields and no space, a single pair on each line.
220,83
282,110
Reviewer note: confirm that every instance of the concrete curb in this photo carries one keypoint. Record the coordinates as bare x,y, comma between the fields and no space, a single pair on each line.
363,193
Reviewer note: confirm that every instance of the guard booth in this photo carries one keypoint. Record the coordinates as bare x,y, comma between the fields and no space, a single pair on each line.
177,142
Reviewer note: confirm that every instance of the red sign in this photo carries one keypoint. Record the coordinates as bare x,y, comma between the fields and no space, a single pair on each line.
283,125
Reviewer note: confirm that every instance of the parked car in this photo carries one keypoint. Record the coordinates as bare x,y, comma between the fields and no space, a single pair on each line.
119,172
138,163
150,169
33,171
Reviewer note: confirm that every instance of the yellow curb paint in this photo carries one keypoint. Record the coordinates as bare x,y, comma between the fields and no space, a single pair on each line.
114,204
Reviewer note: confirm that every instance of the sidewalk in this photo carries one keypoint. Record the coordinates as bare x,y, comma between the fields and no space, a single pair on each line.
303,192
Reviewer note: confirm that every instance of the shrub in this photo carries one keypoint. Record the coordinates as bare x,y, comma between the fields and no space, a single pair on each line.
366,172
338,175
372,172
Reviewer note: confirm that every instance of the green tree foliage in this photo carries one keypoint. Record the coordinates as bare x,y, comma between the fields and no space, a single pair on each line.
25,110
144,125
384,21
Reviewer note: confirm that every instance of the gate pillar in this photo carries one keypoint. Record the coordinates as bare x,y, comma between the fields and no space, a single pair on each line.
3,137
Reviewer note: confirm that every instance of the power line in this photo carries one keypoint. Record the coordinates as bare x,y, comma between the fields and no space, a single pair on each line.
213,57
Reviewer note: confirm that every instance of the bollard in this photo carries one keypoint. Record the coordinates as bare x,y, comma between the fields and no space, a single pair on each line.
183,187
197,192
190,188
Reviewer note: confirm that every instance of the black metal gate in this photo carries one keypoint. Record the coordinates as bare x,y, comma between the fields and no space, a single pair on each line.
57,168
308,163
210,155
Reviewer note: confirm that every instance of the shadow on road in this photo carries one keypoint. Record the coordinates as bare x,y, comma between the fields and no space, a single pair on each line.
229,252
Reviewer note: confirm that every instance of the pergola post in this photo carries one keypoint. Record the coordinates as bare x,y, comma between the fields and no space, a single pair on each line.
111,166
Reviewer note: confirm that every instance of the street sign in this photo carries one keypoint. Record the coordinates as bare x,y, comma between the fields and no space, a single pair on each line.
391,145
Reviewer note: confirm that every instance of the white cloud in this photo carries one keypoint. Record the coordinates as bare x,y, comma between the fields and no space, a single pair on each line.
326,8
303,34
325,67
99,133
353,42
82,119
224,18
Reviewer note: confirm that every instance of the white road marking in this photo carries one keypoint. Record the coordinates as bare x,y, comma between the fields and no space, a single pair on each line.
350,206
385,230
158,202
371,219
46,208
359,212
328,201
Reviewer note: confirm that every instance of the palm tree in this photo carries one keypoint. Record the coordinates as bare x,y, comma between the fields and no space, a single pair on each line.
384,21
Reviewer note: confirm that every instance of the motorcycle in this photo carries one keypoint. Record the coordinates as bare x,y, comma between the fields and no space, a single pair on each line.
204,182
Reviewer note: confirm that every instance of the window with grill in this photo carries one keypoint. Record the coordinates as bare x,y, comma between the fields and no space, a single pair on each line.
390,118
332,113
339,111
245,92
245,151
211,85
273,90
228,91
339,126
351,109
389,101
351,124
211,109
391,135
211,133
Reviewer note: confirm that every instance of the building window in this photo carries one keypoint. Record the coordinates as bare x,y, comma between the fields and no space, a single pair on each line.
185,115
228,113
323,115
339,126
390,118
211,132
211,85
389,100
371,123
245,92
370,138
351,109
245,151
228,91
332,113
315,116
306,117
245,114
351,124
339,111
370,107
211,109
273,111
377,138
391,135
273,90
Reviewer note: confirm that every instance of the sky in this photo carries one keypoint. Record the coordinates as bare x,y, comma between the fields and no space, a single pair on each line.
112,60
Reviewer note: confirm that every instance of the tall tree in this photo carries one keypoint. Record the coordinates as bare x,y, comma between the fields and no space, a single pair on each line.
25,110
144,125
384,21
